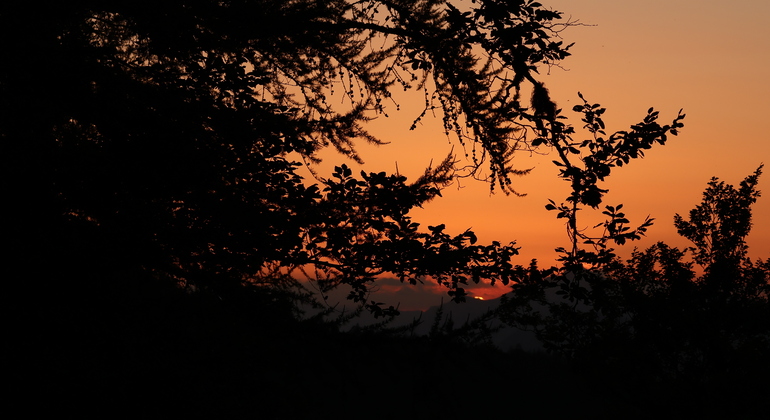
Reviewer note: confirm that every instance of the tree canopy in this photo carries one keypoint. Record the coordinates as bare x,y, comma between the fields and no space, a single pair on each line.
165,138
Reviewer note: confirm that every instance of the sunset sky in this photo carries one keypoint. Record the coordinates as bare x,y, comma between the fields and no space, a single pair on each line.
710,58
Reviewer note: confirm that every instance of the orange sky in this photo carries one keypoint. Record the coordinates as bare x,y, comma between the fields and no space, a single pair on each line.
710,58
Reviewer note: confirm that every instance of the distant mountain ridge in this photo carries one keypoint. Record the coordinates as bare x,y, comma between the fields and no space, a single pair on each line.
505,338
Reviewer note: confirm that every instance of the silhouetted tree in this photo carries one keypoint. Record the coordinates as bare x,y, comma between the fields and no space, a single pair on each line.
160,140
651,323
718,227
153,147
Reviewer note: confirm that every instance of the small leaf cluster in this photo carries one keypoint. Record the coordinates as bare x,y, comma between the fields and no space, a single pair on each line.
600,153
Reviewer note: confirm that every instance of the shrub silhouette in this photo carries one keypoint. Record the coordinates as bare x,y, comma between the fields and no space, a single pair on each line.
655,327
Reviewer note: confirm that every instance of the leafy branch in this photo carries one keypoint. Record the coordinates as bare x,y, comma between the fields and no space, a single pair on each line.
586,163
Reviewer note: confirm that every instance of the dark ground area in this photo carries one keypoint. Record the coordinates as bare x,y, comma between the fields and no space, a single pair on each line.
156,353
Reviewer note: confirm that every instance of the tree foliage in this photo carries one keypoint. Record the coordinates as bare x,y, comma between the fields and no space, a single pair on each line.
586,163
719,225
652,317
163,140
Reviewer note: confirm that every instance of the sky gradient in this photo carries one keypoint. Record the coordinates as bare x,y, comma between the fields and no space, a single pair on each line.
710,58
